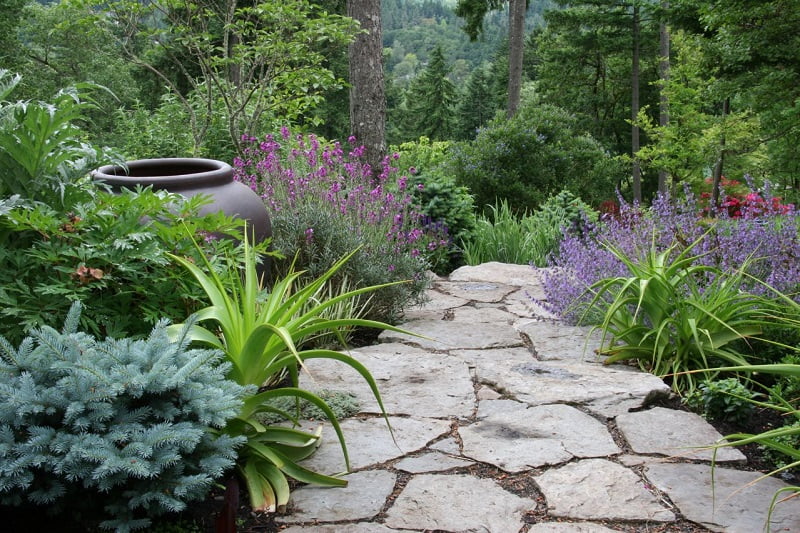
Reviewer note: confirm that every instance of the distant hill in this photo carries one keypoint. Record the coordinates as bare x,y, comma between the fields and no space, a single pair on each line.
412,28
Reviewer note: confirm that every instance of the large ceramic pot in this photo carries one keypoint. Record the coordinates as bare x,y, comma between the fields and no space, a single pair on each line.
191,176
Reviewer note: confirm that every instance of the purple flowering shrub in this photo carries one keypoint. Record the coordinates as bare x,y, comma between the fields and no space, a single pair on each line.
325,202
767,237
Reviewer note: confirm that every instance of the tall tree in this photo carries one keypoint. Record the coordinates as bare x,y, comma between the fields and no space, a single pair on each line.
367,98
756,47
474,11
516,46
430,100
598,59
636,171
476,106
663,75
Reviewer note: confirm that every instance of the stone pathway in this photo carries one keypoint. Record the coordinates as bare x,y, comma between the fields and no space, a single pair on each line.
505,421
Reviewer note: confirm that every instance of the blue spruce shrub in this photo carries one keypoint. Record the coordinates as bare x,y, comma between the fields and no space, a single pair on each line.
134,421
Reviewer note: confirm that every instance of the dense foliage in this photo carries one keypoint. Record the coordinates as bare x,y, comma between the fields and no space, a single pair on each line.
527,158
528,239
108,250
66,239
130,425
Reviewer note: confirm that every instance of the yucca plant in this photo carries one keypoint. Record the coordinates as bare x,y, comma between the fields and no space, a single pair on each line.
673,314
784,311
260,333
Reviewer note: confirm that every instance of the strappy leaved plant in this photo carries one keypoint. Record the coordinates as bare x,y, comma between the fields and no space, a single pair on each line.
262,335
662,316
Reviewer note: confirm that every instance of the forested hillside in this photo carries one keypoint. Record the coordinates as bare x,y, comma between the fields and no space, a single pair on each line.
709,91
412,29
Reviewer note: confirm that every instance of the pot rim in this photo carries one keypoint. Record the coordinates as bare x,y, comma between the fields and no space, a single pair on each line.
165,172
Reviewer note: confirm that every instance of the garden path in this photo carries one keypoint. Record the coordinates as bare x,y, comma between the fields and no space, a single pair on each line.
504,420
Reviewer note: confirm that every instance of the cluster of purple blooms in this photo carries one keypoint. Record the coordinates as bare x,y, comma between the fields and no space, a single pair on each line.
765,239
298,170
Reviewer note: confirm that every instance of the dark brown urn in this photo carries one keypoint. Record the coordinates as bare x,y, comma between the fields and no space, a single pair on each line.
189,177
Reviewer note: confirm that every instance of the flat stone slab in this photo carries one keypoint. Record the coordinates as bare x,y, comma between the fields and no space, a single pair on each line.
362,498
605,390
732,505
431,462
359,527
482,315
447,335
673,433
457,503
597,489
448,446
561,342
479,291
370,443
516,437
521,304
438,301
411,381
493,271
566,527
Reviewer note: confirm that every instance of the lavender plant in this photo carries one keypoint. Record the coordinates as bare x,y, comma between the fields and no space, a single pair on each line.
766,239
325,202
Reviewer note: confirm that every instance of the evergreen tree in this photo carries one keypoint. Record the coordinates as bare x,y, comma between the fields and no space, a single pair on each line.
754,49
477,106
599,60
474,11
430,101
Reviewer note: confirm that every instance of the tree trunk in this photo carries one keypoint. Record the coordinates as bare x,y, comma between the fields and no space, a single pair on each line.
637,171
516,38
718,168
663,74
367,99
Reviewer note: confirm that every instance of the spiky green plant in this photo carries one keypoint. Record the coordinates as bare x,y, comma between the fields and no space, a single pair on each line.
663,317
260,334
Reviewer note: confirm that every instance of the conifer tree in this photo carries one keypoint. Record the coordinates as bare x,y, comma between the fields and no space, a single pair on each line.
477,106
430,101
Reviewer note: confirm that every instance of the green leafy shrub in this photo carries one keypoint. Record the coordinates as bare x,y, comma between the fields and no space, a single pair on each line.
63,240
43,156
443,203
421,156
725,399
565,211
140,133
109,250
437,197
537,153
134,421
